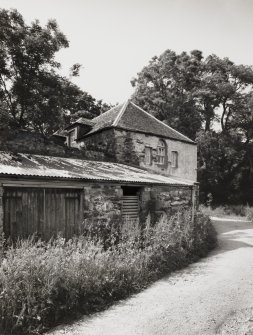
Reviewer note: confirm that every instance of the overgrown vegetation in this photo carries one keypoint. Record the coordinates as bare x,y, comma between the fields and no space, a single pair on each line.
229,210
249,213
41,283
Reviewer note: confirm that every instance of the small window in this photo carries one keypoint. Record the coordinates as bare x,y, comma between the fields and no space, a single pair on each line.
174,159
161,152
72,138
148,155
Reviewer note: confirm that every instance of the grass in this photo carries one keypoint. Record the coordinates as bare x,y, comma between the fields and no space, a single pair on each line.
249,213
43,283
229,211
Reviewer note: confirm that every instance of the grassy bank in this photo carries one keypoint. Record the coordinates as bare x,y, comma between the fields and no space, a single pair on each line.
41,283
233,211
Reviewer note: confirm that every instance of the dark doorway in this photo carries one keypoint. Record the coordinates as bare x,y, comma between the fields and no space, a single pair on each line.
130,190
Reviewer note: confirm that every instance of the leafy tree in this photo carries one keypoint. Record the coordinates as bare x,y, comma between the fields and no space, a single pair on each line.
223,168
164,88
223,90
194,95
191,93
33,93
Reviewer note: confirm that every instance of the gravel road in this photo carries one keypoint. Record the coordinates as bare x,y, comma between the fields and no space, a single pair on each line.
212,296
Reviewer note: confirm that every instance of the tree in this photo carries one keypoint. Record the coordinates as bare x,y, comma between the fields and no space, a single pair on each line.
34,94
223,90
194,95
164,88
191,93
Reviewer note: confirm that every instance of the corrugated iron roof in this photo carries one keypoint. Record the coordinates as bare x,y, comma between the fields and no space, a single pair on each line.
78,169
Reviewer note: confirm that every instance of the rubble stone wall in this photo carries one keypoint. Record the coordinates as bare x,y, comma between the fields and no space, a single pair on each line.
34,143
131,150
103,202
159,200
100,146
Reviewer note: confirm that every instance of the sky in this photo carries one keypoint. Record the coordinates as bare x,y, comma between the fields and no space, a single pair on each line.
115,39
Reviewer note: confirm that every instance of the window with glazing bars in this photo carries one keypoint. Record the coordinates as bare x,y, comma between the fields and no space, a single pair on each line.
161,152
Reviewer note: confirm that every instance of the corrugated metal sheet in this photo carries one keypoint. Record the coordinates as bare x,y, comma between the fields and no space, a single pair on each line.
59,167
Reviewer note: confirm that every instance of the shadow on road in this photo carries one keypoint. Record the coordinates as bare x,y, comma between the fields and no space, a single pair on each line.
233,235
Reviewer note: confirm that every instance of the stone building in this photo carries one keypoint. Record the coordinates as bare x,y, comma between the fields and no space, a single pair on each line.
129,135
122,164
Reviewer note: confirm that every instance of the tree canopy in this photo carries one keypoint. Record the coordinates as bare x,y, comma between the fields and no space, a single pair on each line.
33,94
211,101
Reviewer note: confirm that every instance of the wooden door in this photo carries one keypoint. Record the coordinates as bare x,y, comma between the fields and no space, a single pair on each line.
130,207
44,212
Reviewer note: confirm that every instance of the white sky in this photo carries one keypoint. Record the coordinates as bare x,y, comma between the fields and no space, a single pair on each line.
115,39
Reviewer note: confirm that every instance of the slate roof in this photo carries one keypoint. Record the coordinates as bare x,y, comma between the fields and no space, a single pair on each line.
82,121
131,117
106,119
47,167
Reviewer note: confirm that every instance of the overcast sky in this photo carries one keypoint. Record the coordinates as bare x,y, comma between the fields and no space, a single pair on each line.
115,39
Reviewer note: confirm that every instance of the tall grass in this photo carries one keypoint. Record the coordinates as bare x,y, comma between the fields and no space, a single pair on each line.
229,210
249,213
41,283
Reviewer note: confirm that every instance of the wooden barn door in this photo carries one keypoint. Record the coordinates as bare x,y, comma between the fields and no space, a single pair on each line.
46,212
23,212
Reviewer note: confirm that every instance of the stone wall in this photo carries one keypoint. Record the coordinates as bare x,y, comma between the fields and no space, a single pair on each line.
35,143
159,200
131,150
102,202
102,205
109,145
100,146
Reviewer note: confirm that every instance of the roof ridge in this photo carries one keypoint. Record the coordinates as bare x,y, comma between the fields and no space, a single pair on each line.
109,110
164,124
121,112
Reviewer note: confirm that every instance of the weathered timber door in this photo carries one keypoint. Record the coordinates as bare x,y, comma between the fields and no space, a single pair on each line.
44,211
130,207
130,203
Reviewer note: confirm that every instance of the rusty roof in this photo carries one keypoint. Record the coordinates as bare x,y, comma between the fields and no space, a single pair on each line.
13,165
131,117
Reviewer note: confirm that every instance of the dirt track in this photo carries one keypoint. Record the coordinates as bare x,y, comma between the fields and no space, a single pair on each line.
213,296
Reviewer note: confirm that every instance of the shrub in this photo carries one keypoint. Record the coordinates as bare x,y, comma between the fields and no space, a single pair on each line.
249,213
226,210
41,283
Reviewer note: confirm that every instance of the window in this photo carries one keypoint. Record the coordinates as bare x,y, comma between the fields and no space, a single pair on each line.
148,155
161,152
72,138
174,159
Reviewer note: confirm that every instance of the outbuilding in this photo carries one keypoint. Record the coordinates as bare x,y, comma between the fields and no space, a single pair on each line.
48,195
